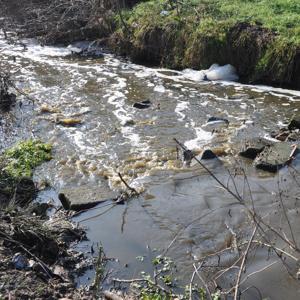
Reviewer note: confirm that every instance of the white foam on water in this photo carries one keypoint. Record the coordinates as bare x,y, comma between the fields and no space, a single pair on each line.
281,124
292,95
79,139
159,88
202,138
117,99
180,107
243,106
193,74
144,73
37,50
214,73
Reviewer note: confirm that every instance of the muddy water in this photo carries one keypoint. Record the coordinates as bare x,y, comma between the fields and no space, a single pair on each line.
182,212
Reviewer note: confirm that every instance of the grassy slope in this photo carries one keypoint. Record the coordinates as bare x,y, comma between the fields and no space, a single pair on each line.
195,32
282,16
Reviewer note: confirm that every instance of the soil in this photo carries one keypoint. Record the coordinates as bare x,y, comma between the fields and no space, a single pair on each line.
47,263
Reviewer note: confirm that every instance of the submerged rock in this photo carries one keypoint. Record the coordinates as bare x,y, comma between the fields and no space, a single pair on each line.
84,50
75,50
84,197
217,119
208,154
143,104
214,123
7,99
276,156
253,147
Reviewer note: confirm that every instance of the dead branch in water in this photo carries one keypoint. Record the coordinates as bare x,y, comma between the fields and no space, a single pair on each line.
258,220
127,185
260,225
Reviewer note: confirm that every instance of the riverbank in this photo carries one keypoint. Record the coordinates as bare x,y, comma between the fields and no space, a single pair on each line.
37,258
261,40
127,117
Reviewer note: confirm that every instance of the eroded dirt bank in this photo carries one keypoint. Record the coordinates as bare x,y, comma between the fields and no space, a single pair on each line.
163,35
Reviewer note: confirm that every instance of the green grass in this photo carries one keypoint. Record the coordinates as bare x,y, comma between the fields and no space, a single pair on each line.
282,16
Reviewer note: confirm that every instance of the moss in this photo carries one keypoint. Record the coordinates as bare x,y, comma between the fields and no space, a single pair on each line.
20,160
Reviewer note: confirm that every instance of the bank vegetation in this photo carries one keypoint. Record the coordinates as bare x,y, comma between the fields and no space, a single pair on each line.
260,38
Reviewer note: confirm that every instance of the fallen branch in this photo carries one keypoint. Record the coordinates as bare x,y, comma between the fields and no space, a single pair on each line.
236,289
127,185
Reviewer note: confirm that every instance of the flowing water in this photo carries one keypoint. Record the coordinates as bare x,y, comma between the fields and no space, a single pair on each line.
182,212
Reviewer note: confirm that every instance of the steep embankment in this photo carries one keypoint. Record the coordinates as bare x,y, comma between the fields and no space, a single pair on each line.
260,38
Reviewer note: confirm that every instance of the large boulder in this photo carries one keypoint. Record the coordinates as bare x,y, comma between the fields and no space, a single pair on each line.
85,196
254,147
276,156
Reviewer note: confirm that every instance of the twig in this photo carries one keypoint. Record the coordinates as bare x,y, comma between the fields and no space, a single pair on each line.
124,217
258,271
256,218
127,185
98,215
41,263
252,287
141,280
210,173
276,248
203,282
236,289
285,213
192,280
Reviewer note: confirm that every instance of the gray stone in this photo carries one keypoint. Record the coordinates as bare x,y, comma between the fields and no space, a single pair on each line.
294,123
217,119
84,196
276,156
253,147
20,261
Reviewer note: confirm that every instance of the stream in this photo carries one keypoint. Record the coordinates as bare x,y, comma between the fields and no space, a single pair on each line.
181,212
